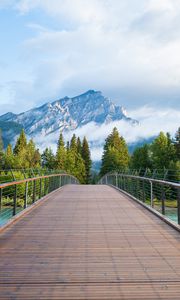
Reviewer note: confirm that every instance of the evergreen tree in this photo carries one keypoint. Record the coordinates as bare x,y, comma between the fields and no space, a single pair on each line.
177,144
79,146
163,151
30,151
9,158
74,162
73,144
61,154
48,159
20,152
67,146
21,143
37,159
79,169
70,162
141,158
115,155
86,155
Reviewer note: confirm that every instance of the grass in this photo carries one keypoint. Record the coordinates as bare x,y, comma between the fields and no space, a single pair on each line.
168,203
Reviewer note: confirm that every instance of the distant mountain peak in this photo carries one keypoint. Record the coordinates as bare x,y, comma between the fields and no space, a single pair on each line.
69,113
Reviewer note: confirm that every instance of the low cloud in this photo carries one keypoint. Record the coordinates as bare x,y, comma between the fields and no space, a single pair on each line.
151,120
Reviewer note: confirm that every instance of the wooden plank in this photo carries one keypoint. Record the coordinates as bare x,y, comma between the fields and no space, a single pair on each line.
89,242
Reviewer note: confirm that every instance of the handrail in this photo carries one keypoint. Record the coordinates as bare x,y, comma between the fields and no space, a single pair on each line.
174,184
161,195
3,185
164,174
16,196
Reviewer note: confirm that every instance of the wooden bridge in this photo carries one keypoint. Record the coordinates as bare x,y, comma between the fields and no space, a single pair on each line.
89,242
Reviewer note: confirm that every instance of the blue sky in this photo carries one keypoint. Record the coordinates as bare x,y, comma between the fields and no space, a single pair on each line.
128,49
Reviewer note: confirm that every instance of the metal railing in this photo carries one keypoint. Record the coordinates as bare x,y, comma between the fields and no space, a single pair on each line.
161,195
15,196
160,174
8,175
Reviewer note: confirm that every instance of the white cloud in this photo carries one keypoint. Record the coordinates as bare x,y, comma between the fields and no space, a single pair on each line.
151,120
108,46
128,49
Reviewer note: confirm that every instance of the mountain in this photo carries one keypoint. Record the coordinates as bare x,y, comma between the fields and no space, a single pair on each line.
69,114
9,131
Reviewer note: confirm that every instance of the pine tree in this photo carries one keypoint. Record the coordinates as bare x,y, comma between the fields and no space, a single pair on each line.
9,157
67,146
73,144
177,144
79,146
48,159
163,151
115,155
37,159
79,169
70,162
141,158
30,151
20,151
21,143
86,155
61,154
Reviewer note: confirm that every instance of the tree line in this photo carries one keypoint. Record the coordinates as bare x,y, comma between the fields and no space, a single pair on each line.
73,158
162,153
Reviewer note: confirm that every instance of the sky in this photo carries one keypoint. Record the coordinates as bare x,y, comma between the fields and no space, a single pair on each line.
128,49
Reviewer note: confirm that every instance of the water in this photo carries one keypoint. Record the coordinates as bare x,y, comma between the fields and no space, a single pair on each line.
6,214
172,215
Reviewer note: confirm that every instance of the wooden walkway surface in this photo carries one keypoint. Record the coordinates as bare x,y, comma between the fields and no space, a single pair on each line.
89,242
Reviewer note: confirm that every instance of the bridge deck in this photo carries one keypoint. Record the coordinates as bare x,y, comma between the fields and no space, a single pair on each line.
89,242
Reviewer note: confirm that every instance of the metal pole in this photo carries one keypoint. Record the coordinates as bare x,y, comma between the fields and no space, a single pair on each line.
1,193
116,180
15,200
178,205
34,191
163,201
152,204
26,195
143,191
40,192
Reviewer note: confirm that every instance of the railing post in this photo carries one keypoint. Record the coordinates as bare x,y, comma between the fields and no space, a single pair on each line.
152,200
116,180
178,205
40,191
26,195
60,181
144,200
1,194
121,180
163,201
106,179
34,191
15,200
45,186
49,185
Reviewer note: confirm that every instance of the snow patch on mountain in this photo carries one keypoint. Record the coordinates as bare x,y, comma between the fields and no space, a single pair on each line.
69,114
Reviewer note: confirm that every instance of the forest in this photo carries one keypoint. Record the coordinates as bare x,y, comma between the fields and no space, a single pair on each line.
74,157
